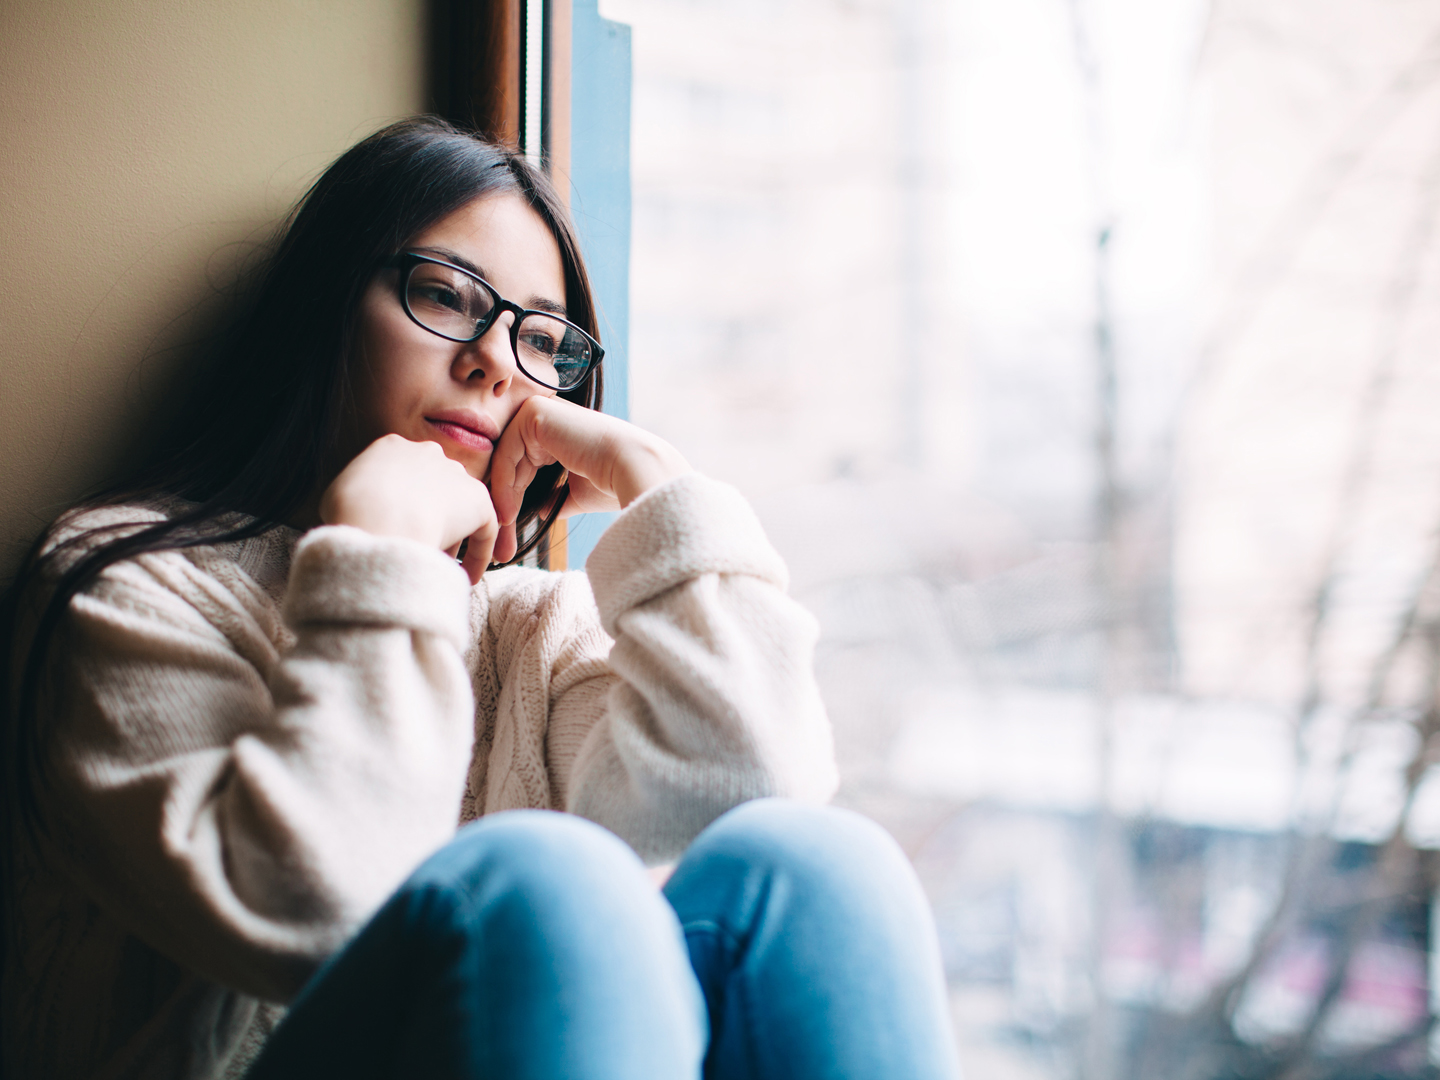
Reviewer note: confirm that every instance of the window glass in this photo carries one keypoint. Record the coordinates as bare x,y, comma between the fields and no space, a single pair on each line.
1079,357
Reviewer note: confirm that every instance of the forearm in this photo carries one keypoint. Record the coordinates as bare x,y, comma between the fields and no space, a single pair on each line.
241,810
646,462
714,700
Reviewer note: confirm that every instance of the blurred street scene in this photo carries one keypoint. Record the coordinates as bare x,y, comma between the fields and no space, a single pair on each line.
1083,359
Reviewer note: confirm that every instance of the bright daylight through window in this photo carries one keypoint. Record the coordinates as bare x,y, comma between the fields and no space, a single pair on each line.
1081,358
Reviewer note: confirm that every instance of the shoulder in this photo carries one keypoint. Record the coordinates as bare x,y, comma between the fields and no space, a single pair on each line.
227,574
85,529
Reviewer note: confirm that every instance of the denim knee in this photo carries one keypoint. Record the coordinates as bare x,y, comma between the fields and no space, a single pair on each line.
823,847
552,867
532,944
815,946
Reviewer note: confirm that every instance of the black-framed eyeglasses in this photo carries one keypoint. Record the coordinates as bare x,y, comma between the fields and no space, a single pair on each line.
457,305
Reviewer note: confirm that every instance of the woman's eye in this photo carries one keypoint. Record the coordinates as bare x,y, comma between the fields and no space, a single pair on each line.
540,343
437,294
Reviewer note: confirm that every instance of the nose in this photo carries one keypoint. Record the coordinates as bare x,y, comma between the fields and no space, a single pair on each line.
489,360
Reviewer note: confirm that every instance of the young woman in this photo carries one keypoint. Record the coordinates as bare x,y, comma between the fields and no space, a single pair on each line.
253,689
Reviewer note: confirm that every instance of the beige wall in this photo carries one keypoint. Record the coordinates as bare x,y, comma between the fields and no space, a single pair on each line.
145,147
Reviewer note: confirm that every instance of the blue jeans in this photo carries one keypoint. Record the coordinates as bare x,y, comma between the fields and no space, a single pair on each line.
795,945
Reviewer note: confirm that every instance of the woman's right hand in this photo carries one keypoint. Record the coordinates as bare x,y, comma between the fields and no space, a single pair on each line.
395,487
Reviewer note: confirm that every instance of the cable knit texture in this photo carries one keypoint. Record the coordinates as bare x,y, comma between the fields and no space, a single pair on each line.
255,742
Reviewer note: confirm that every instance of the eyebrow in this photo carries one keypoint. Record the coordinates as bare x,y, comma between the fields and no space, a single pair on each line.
534,302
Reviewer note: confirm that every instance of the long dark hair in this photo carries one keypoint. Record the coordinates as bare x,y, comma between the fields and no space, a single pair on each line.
263,427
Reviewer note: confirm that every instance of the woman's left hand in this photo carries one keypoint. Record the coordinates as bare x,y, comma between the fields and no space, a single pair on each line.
611,463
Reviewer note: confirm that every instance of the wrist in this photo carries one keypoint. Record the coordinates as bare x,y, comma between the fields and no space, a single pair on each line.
644,466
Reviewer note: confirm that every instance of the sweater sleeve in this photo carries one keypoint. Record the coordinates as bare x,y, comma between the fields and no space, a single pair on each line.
246,810
712,698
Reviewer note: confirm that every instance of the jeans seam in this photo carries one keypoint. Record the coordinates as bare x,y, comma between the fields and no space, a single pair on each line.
735,993
458,900
751,1030
732,940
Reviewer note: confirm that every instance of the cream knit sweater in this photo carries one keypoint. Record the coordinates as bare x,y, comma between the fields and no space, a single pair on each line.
259,741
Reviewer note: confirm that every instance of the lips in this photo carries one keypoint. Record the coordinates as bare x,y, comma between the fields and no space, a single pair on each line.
472,430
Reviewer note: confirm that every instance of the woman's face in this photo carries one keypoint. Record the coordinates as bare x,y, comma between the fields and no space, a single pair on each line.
461,395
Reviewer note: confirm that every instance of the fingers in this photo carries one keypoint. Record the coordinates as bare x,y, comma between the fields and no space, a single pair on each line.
506,545
586,498
506,464
514,495
516,460
479,548
617,461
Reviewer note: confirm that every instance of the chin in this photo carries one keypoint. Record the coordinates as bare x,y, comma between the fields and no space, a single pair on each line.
475,464
479,467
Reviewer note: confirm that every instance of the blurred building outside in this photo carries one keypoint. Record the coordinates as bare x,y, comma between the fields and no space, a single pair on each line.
1079,356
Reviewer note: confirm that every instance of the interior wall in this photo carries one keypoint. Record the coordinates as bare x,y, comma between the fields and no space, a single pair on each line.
147,147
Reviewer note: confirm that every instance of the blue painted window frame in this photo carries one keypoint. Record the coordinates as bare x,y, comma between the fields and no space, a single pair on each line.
600,79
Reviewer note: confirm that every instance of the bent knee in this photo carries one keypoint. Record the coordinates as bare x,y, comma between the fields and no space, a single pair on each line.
816,842
530,853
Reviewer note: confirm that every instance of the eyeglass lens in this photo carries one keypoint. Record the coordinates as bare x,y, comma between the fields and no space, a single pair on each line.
454,304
